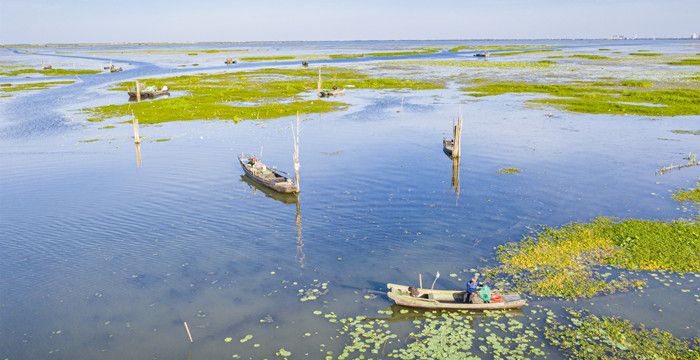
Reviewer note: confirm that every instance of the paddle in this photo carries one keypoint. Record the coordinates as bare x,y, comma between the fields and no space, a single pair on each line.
437,276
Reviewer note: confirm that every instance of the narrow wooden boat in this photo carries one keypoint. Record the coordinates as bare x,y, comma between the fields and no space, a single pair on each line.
449,299
447,146
263,175
149,92
482,54
285,198
305,63
230,61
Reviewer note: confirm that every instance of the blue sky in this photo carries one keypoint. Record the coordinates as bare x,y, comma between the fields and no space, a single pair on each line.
42,21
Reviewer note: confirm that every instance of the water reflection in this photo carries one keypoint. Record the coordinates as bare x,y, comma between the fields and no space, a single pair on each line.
285,199
138,154
455,175
300,241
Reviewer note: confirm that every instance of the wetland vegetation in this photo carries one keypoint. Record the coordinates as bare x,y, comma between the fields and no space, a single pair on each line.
259,94
566,262
48,72
633,97
32,86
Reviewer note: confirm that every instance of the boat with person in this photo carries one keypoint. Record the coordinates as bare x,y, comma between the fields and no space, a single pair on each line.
268,177
230,61
450,299
482,54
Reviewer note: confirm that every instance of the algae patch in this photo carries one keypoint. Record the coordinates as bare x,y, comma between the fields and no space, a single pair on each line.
49,72
33,86
509,170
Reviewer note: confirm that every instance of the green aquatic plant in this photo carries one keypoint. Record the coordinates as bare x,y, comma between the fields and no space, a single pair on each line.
645,54
269,58
511,53
688,132
49,72
479,64
603,49
385,54
162,140
88,140
562,262
685,62
626,97
585,336
590,57
258,94
440,335
33,86
497,47
509,170
692,195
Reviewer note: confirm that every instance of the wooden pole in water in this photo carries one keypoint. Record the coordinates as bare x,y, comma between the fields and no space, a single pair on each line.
135,122
457,147
420,280
295,135
318,87
138,92
187,329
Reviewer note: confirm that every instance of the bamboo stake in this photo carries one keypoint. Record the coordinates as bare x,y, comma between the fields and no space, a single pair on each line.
135,123
138,92
420,280
318,87
457,147
187,329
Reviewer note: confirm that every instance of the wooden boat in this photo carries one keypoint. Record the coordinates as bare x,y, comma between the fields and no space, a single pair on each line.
482,54
331,92
149,92
449,299
447,146
305,63
47,67
114,69
271,178
230,61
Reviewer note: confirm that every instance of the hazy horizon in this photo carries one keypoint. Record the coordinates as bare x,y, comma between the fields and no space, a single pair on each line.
160,21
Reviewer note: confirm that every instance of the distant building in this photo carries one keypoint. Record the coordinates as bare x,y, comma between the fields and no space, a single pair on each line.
694,36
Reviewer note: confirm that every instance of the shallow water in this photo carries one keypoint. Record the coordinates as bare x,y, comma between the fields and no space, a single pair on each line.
104,256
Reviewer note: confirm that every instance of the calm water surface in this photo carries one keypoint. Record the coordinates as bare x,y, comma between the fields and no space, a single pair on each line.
102,258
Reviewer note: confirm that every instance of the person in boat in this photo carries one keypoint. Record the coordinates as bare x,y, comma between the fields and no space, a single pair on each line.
471,296
413,291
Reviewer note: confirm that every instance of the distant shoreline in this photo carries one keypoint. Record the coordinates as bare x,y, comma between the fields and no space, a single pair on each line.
318,41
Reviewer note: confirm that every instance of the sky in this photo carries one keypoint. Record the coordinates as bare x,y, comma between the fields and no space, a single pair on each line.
108,21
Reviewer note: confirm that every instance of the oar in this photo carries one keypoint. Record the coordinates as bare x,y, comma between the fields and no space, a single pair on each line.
437,276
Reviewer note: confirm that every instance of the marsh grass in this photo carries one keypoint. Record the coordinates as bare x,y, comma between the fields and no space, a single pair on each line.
511,53
274,93
497,47
635,97
685,62
33,86
687,132
564,262
481,64
49,72
585,336
648,54
590,57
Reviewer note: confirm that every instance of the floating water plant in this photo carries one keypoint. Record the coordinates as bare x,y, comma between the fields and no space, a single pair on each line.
687,132
509,170
692,195
645,54
49,72
561,261
626,97
590,57
585,336
480,64
258,94
685,62
33,86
